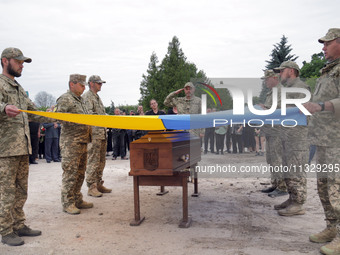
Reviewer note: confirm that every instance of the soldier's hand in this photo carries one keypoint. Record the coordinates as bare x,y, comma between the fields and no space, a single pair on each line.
11,110
179,91
312,107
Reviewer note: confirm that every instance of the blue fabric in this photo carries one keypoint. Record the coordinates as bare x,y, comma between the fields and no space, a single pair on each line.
196,121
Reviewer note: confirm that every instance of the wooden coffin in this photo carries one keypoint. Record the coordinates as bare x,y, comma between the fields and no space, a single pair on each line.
162,153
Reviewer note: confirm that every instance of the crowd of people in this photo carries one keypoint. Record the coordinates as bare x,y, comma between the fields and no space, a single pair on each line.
83,148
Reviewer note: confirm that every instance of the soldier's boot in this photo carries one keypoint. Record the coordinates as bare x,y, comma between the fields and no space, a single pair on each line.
333,248
84,205
93,191
292,209
102,188
27,231
283,205
72,209
326,235
12,239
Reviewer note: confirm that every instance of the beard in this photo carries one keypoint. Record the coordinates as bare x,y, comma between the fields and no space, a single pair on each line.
12,72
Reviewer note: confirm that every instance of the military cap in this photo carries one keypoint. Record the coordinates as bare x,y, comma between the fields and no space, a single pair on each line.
96,79
189,84
78,78
332,34
287,64
15,53
268,73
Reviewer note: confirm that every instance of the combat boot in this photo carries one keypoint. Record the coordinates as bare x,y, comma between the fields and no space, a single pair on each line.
333,248
27,231
72,209
93,191
103,189
12,239
326,235
283,205
292,209
84,205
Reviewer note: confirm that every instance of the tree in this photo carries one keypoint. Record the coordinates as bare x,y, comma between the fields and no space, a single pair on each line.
279,54
110,109
150,84
44,100
311,71
173,72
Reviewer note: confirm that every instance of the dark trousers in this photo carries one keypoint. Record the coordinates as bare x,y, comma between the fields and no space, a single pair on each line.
219,142
51,149
237,143
35,148
209,135
119,144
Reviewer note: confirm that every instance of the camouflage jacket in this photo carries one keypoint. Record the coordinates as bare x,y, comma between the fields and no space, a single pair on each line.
95,106
296,135
268,130
324,126
72,132
14,132
184,106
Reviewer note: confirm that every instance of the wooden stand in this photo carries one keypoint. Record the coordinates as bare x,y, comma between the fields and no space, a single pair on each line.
162,191
177,179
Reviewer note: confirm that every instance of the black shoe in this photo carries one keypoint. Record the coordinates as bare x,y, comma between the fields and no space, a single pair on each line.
57,160
48,161
268,190
205,152
216,152
114,158
26,231
12,239
33,162
125,158
222,153
277,193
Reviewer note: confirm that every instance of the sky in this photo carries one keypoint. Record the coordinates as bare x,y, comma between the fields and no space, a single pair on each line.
115,39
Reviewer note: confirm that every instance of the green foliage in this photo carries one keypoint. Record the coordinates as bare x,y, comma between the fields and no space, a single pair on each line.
312,69
280,53
170,75
43,108
311,82
127,108
110,109
256,100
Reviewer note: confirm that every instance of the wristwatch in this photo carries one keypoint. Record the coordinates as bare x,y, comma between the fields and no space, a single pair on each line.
322,104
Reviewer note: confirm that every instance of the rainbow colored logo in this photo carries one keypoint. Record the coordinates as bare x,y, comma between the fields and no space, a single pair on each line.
209,93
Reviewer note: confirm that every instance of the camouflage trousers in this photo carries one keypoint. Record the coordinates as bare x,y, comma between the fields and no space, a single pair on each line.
74,158
96,159
328,182
274,158
294,158
13,192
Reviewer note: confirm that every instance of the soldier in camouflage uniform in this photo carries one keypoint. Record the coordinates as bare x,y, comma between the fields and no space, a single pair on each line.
324,133
273,141
294,147
190,104
73,144
15,148
96,150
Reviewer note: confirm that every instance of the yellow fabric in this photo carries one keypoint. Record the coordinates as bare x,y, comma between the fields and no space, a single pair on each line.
109,121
